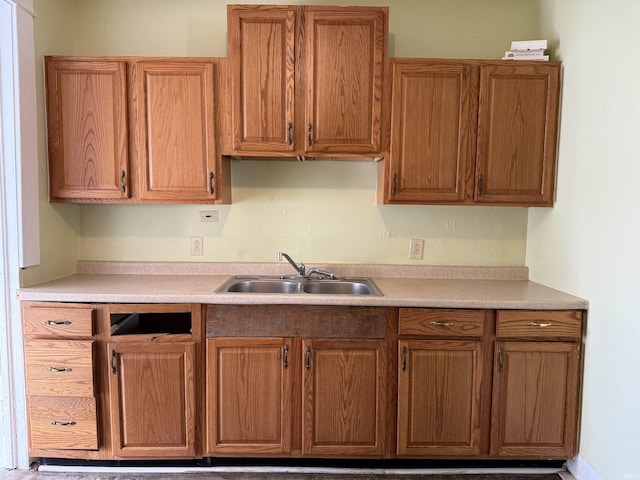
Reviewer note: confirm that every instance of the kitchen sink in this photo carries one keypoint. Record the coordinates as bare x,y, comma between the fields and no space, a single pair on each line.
299,285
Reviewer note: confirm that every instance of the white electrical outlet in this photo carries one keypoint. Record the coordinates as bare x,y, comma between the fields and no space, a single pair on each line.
197,246
416,248
210,216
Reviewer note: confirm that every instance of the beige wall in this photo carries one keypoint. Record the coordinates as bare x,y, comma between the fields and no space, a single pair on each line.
320,211
589,244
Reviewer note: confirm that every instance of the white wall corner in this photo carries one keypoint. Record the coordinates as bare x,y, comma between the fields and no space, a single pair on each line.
583,470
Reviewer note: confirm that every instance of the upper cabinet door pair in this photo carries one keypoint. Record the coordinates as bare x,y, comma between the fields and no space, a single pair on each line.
307,80
131,131
466,131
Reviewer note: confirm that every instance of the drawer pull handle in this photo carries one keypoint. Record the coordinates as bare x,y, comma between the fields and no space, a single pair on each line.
289,133
113,362
56,369
308,362
53,322
443,324
500,360
539,325
63,424
211,186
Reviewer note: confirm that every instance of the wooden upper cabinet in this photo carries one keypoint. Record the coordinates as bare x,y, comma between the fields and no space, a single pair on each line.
87,122
345,55
472,132
174,130
307,80
433,135
261,51
517,133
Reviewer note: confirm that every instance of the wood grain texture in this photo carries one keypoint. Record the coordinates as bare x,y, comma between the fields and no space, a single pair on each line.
59,367
87,125
175,130
517,133
439,397
63,422
262,55
57,322
343,403
345,56
535,400
249,396
544,324
153,400
433,131
441,322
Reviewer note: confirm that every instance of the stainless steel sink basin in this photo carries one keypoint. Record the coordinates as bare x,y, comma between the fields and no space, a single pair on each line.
299,285
263,286
338,287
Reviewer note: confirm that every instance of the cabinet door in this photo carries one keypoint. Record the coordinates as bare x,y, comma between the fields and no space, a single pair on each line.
517,132
262,56
152,393
87,127
248,396
343,400
439,397
433,133
535,399
345,54
174,131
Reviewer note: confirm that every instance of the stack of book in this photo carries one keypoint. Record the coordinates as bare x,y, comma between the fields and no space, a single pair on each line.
527,50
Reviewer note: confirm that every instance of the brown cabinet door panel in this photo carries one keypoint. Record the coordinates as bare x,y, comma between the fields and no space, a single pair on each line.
261,52
439,396
152,389
343,401
249,395
535,399
174,131
345,54
87,127
517,133
433,122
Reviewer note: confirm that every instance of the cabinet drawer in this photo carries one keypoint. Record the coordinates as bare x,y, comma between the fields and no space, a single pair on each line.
59,367
63,422
539,323
441,323
59,322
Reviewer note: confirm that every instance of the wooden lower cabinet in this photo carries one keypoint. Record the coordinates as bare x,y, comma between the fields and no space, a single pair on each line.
439,397
248,396
343,400
535,399
152,392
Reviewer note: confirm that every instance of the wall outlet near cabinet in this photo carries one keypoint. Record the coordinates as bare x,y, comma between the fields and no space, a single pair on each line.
208,216
197,246
416,248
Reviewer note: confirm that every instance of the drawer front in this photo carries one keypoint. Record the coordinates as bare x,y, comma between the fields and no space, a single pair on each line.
63,422
59,367
59,322
441,322
539,323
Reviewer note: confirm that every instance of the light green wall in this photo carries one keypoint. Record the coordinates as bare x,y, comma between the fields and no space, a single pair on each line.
589,244
317,211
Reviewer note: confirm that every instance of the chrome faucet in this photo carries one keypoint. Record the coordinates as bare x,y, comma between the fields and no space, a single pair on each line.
299,268
320,273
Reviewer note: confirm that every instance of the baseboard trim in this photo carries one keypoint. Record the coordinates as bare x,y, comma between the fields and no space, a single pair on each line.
583,470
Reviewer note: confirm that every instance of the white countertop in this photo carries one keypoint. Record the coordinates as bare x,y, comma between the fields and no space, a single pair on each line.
402,286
